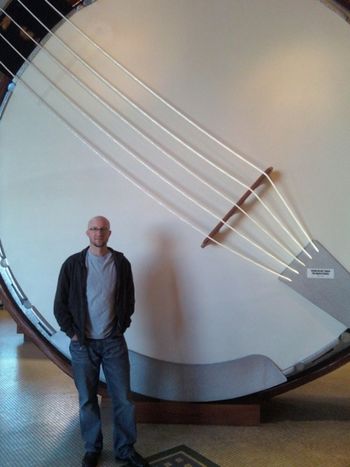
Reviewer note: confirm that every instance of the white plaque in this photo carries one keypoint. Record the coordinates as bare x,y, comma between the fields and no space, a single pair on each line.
320,273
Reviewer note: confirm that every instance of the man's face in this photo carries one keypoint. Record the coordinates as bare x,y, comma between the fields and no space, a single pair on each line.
98,232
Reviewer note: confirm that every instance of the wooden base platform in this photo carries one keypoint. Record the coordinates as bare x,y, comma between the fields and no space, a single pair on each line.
189,413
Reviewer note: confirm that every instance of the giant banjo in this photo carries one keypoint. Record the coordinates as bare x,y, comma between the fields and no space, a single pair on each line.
135,110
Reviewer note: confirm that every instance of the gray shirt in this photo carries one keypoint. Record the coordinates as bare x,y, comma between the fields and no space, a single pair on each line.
100,292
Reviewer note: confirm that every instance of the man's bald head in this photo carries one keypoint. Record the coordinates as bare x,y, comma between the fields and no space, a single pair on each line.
98,232
99,219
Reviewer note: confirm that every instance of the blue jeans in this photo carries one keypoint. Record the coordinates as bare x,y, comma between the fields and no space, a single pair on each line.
112,354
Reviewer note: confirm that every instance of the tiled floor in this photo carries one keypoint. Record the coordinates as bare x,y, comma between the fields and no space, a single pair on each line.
308,427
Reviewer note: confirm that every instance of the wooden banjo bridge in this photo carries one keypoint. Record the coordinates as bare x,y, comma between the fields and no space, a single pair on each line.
236,207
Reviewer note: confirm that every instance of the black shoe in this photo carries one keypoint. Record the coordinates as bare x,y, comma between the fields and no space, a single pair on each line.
90,459
134,459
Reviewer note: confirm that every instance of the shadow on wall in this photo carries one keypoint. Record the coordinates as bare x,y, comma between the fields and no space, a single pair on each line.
160,294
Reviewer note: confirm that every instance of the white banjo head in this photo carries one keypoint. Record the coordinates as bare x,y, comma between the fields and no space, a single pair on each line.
269,81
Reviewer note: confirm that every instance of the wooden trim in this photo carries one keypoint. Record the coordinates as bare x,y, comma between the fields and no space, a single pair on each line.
191,413
4,82
198,414
341,7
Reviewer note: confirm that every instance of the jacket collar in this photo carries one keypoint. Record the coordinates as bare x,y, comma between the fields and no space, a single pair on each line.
117,254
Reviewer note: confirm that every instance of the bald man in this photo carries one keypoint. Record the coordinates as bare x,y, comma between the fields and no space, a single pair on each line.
93,305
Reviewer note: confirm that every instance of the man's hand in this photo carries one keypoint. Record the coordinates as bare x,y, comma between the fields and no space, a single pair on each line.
74,338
